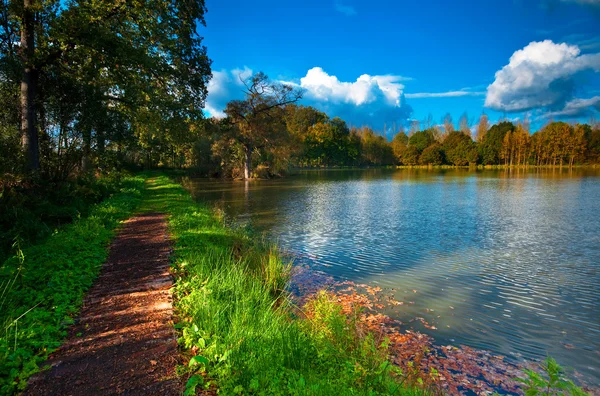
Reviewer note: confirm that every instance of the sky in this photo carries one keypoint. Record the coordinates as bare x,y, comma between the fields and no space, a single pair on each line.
384,62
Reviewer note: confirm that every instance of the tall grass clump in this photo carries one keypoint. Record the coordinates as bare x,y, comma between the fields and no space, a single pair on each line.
42,286
240,329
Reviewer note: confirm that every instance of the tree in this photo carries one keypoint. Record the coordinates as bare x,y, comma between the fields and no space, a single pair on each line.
259,119
576,143
459,149
29,83
428,122
432,155
328,143
414,127
125,58
491,144
399,144
593,144
465,124
299,118
506,152
448,125
521,142
556,136
375,150
421,140
410,156
482,127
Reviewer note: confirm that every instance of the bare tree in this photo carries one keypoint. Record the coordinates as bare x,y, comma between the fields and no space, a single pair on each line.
482,127
465,124
448,124
415,126
428,122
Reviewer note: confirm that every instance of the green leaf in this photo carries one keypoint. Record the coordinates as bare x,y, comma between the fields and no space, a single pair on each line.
192,383
198,360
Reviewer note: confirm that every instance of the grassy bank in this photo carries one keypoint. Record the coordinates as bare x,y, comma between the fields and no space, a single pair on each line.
238,326
42,286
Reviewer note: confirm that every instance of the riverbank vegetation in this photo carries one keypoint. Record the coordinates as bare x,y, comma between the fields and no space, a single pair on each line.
42,286
238,326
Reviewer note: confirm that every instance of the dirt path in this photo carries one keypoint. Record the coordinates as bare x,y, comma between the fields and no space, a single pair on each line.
124,341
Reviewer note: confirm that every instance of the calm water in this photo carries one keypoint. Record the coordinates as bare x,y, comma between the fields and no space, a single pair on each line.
504,261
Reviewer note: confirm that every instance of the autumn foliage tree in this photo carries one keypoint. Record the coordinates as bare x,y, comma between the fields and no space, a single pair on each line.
399,144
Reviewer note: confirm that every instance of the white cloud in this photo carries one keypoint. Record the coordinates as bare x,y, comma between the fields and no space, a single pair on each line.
344,9
223,87
539,75
370,100
450,94
366,89
577,108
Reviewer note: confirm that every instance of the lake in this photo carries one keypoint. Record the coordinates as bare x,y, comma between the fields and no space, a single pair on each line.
507,261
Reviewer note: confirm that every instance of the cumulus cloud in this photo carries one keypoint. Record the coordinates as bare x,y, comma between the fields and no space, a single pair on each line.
224,86
449,94
344,9
541,75
365,89
577,108
368,100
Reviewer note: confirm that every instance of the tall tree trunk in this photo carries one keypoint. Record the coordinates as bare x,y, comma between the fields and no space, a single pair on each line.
100,141
247,162
86,161
29,133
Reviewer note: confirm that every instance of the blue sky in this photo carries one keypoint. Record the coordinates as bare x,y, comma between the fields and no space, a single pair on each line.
384,61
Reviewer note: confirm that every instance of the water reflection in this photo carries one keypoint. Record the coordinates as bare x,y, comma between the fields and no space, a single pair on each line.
505,260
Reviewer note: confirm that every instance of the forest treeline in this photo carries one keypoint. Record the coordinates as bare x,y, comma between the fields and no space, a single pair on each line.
310,138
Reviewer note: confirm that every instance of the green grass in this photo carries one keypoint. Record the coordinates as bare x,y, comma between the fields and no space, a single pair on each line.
42,286
235,316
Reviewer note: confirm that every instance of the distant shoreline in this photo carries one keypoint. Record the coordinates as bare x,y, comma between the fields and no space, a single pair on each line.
478,167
